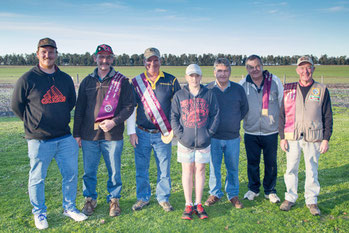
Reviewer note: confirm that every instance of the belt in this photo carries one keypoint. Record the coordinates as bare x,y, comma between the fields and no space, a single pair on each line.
148,130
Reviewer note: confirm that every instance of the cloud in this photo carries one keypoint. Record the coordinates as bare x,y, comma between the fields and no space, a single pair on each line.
273,11
160,10
10,14
335,9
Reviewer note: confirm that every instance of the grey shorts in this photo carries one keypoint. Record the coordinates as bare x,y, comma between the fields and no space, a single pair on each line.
187,155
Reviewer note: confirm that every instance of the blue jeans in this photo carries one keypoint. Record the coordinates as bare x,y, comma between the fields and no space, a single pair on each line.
65,151
111,151
231,150
162,154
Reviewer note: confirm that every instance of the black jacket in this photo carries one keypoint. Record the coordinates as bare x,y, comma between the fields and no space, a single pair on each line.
43,102
194,119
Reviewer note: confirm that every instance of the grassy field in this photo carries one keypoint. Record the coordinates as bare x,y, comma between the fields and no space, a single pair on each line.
257,216
332,74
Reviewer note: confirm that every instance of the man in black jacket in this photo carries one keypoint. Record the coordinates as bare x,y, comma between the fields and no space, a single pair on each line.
43,98
104,102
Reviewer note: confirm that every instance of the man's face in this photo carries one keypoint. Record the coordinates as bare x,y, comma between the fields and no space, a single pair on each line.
305,71
47,57
222,73
104,61
193,80
152,64
254,69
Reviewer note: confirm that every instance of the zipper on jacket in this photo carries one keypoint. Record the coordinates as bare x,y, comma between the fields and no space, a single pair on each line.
196,128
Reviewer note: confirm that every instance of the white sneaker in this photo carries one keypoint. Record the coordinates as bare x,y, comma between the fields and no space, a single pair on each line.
41,221
250,195
76,215
273,198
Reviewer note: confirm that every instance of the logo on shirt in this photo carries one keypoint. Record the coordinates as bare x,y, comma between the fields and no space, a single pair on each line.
194,111
108,108
53,95
315,94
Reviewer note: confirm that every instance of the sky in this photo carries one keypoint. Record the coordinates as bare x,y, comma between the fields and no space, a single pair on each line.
262,27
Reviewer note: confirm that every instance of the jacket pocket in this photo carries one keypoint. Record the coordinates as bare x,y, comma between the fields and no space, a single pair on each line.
314,133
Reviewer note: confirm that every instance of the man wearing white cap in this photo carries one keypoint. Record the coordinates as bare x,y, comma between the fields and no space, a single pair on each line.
306,124
194,119
154,90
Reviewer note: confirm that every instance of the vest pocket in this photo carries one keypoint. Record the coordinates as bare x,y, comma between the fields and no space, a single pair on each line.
314,132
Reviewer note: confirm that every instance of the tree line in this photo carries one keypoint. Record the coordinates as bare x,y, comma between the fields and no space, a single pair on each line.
167,59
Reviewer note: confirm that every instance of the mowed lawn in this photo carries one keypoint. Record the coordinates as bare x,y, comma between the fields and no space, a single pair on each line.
257,216
331,74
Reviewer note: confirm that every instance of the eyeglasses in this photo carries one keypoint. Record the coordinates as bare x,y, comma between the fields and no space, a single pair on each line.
102,57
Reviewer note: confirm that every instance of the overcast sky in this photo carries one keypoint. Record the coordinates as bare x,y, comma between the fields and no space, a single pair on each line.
178,26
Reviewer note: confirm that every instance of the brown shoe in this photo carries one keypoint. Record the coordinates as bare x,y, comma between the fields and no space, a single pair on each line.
114,209
90,206
236,202
286,205
166,206
314,209
212,199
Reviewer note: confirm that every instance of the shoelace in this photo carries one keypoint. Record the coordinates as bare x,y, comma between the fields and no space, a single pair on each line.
42,217
200,208
188,209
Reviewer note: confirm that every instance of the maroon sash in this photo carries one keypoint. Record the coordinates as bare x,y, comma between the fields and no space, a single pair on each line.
266,92
290,90
111,99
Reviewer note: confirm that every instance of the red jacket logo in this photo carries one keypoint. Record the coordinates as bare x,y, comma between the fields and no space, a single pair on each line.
53,96
194,113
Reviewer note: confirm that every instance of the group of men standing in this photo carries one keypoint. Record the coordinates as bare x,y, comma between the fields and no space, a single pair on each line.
44,97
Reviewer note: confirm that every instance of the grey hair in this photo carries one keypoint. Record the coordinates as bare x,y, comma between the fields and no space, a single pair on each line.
222,61
254,57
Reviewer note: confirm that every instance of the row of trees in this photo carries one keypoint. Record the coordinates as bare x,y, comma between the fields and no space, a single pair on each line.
167,59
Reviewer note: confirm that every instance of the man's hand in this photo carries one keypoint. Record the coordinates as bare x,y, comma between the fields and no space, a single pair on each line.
284,145
107,125
324,146
134,140
78,140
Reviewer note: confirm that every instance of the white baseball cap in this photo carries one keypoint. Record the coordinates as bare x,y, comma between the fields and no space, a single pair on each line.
193,69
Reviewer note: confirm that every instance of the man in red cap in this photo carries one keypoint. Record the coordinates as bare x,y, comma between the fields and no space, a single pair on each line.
105,101
43,98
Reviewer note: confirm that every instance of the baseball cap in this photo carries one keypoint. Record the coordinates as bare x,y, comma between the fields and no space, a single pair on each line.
305,59
103,48
47,42
149,52
193,69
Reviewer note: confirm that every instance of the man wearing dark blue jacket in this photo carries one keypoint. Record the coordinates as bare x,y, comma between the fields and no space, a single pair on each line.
233,107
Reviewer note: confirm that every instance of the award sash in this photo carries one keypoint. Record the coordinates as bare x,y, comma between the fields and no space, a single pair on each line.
266,92
290,90
111,99
151,104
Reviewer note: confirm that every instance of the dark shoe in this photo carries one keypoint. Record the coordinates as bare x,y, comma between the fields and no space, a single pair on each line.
166,206
90,206
188,213
212,199
286,205
314,209
139,205
114,208
236,202
200,211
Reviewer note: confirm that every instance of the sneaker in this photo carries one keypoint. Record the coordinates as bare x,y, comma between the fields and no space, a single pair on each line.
139,205
286,205
41,221
236,202
314,209
90,206
166,206
212,199
76,215
200,211
188,212
114,208
273,198
250,195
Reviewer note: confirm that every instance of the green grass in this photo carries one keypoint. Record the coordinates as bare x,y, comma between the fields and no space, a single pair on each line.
332,74
257,216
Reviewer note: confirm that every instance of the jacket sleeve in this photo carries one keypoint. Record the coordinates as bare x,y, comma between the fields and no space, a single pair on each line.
72,97
19,97
327,116
175,86
175,117
213,115
127,102
282,120
79,109
244,104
